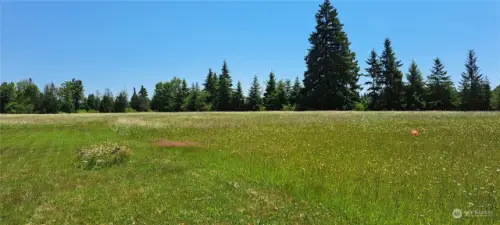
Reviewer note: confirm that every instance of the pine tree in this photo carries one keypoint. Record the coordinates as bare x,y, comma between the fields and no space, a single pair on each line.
485,94
254,96
330,81
471,84
210,87
134,101
376,83
280,96
288,91
107,102
238,100
440,88
224,90
91,100
121,102
393,78
270,93
180,97
415,88
143,100
496,98
295,92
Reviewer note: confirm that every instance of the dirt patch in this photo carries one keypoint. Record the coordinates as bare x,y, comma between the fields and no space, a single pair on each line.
167,143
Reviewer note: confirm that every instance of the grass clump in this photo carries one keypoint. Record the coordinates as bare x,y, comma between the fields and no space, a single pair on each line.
103,155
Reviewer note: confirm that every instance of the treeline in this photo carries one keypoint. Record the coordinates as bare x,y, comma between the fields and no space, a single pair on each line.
331,82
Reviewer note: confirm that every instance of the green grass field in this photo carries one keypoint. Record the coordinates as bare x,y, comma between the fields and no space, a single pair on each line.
250,168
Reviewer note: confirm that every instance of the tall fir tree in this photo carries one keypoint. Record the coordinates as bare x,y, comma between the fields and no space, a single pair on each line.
91,102
495,98
143,100
295,92
210,87
254,96
134,101
393,78
415,88
330,81
238,100
224,89
471,87
107,102
270,93
280,99
485,94
439,88
181,95
375,83
121,102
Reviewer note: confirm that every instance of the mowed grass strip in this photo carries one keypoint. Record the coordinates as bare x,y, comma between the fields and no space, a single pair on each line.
267,167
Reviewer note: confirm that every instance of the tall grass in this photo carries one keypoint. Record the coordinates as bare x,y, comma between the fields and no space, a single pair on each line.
262,167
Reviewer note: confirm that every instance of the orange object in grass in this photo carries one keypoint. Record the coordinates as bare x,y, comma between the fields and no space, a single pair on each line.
414,133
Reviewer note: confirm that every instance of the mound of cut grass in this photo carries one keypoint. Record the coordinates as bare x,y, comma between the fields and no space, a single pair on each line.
103,155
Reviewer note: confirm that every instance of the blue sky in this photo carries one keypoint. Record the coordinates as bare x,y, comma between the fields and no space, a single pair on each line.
119,45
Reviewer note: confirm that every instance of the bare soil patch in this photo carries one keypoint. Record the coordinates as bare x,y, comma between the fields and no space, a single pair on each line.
167,143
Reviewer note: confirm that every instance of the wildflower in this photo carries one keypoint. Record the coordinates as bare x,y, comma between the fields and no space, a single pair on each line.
414,133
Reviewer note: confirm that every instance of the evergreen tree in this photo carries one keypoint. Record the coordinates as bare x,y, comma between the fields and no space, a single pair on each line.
224,90
91,102
270,93
415,88
107,104
210,87
295,92
143,100
121,102
180,96
280,96
238,100
496,98
330,81
392,77
50,104
485,94
134,101
8,96
376,83
288,91
471,84
254,96
440,88
190,104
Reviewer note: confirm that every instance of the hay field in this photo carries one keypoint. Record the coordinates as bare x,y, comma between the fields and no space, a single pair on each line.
253,168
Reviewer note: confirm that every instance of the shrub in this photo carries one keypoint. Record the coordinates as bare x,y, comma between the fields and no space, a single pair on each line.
289,107
262,108
100,156
359,106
